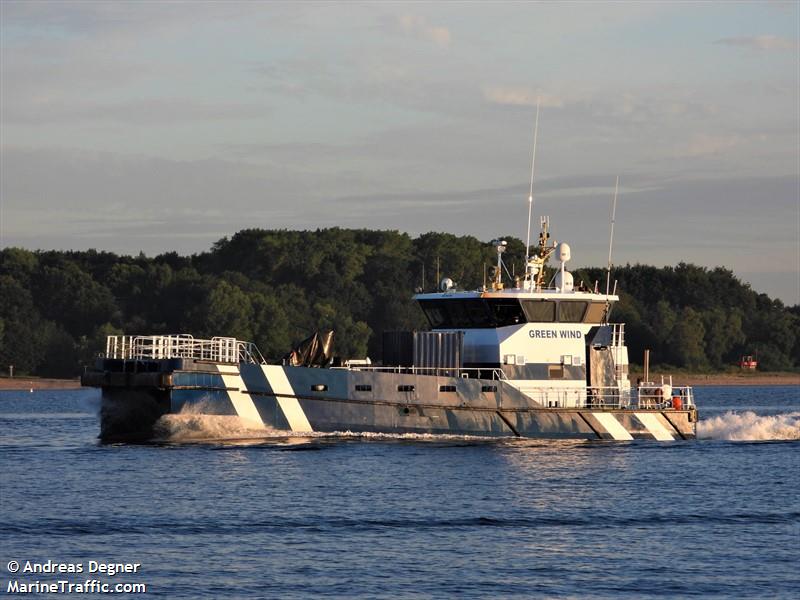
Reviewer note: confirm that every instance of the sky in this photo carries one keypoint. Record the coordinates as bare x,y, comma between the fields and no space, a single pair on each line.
158,126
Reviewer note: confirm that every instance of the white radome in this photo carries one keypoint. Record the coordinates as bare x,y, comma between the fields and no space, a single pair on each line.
564,252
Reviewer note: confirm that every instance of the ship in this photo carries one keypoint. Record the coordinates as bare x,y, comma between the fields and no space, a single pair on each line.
531,356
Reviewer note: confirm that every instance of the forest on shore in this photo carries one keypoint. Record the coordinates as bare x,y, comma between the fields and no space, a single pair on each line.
275,287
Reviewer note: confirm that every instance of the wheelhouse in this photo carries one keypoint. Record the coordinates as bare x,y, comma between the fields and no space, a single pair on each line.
451,312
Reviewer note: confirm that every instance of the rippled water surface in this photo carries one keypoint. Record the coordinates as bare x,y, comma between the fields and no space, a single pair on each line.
408,517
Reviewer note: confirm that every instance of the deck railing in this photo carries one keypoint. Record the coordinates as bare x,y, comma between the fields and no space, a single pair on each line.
467,373
567,396
611,397
158,347
618,334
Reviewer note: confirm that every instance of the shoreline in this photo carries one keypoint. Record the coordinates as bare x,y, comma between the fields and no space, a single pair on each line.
702,379
37,383
678,379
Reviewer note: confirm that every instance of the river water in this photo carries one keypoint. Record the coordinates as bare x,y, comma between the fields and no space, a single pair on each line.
404,516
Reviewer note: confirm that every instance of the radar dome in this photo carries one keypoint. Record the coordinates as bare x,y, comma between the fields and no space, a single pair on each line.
563,252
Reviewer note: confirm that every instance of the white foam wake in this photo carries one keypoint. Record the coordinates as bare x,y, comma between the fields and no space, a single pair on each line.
748,426
193,423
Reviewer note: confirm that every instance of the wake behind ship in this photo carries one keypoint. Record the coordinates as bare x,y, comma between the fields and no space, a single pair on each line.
533,359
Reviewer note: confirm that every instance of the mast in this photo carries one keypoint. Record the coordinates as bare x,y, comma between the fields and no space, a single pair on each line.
530,191
611,238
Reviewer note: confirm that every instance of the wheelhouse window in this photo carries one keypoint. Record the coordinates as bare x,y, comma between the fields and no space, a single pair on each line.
596,312
571,312
482,313
471,313
506,312
539,311
435,313
466,314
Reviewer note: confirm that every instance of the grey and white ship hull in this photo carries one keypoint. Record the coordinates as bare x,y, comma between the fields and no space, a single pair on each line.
301,400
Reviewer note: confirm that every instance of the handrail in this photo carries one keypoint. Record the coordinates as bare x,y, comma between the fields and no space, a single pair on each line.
618,334
159,347
497,374
568,396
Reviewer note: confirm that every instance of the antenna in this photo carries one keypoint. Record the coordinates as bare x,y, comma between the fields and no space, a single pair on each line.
530,192
611,239
500,246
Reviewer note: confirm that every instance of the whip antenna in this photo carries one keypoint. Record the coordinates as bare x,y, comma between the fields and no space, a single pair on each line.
530,192
611,239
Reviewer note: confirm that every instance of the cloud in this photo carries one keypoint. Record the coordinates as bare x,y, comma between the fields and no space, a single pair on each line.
419,27
522,96
702,144
153,111
760,42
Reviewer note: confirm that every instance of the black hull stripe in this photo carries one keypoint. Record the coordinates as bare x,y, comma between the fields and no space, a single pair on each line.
508,423
585,420
680,433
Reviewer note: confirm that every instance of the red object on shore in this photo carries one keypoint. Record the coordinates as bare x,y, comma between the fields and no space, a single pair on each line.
748,362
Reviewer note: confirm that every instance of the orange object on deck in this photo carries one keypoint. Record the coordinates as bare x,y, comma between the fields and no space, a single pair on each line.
677,403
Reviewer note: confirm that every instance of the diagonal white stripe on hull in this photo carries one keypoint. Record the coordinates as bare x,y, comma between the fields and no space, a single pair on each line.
290,406
242,403
614,427
655,427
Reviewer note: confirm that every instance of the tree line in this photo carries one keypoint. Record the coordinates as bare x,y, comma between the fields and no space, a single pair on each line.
275,287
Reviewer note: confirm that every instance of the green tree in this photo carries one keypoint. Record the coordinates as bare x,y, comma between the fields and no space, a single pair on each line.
227,312
70,297
688,340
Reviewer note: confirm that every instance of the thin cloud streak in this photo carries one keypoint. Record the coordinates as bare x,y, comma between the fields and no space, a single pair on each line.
760,42
417,26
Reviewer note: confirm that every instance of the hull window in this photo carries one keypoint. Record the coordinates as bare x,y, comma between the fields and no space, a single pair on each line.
447,388
555,371
363,388
405,388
